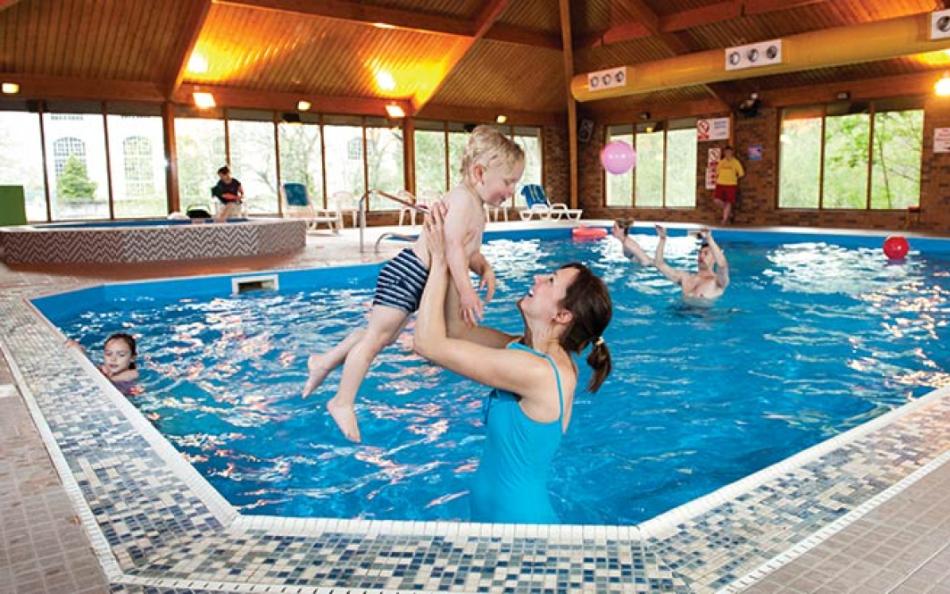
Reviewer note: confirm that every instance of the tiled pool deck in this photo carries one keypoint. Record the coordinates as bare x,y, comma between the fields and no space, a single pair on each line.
864,512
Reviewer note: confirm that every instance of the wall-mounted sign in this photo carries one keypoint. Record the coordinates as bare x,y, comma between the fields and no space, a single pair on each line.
712,165
712,129
942,140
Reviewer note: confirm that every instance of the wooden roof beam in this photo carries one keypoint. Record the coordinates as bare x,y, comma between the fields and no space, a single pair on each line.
4,4
483,22
186,44
34,86
688,19
404,19
281,101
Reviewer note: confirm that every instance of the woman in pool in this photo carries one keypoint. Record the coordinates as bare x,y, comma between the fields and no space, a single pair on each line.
533,376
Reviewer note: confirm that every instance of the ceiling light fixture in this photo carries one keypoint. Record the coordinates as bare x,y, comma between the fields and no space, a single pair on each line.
501,118
197,64
303,105
384,26
385,80
395,111
203,100
942,88
10,88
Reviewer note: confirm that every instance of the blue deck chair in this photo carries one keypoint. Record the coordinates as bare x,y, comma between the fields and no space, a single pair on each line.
297,204
538,204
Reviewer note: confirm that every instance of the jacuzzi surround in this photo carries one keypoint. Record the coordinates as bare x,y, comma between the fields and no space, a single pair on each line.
158,241
184,535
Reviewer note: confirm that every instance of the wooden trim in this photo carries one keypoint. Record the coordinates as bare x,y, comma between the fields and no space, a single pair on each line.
366,187
821,162
323,163
658,111
409,154
109,189
280,101
448,165
867,197
5,4
171,157
49,208
666,131
227,138
186,44
524,36
564,10
904,85
61,87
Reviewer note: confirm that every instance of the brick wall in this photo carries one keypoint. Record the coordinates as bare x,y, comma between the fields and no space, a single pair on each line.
759,200
556,164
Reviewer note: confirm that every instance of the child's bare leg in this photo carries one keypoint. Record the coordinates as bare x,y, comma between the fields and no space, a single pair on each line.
319,366
384,326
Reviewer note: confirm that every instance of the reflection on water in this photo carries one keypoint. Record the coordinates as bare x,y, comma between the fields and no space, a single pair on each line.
809,340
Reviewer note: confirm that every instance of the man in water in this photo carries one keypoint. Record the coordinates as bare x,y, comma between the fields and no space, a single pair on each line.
711,279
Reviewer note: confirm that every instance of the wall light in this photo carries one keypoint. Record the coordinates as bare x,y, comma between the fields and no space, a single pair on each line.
203,100
843,96
197,64
303,105
384,26
10,88
501,118
395,111
942,88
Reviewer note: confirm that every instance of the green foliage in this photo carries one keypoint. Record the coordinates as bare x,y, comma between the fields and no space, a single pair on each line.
845,183
896,159
681,149
300,159
649,170
800,163
430,161
73,184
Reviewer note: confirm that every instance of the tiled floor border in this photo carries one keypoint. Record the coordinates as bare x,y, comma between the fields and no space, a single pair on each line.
291,526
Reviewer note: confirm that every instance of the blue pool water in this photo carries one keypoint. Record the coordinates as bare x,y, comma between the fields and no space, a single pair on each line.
810,339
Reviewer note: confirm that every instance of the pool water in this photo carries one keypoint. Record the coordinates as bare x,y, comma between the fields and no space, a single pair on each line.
809,340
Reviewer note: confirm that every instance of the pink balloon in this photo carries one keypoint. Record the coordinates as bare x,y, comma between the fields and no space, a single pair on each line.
618,157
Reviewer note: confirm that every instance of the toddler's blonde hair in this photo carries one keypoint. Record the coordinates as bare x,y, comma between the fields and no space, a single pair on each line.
487,145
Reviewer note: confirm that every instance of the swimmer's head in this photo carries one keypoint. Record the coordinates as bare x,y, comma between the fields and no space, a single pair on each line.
705,258
626,225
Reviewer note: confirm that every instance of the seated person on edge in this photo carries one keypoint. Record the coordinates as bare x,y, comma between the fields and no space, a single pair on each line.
533,376
229,191
118,361
712,278
631,249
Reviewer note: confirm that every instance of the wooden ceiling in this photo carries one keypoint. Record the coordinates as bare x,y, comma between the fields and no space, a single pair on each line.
484,55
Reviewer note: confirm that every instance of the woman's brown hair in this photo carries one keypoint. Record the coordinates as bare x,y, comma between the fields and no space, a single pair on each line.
591,309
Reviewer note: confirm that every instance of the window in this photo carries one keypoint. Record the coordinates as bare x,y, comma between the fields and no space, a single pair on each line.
343,172
200,144
530,140
254,158
21,159
665,172
458,138
64,148
137,156
301,159
826,152
79,186
430,157
384,162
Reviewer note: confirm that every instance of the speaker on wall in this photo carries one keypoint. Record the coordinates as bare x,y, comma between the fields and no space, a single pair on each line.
585,130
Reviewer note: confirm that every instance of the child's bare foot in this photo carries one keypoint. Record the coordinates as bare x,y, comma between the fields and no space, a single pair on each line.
317,371
345,418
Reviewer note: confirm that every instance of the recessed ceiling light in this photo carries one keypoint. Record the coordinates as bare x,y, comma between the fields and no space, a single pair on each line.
303,105
385,80
203,100
942,88
197,64
395,111
501,118
10,88
384,26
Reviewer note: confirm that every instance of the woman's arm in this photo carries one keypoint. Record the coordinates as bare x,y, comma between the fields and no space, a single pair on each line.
514,371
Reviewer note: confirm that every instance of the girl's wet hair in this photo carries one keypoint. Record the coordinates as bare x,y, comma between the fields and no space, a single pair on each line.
589,302
487,145
129,341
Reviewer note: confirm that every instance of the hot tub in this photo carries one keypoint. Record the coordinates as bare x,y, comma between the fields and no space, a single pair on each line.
149,240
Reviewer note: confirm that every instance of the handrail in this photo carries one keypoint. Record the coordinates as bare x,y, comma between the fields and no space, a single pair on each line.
361,207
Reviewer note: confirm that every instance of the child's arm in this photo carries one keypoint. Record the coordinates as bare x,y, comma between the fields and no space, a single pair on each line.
480,266
457,232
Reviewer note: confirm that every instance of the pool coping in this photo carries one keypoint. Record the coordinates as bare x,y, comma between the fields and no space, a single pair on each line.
577,534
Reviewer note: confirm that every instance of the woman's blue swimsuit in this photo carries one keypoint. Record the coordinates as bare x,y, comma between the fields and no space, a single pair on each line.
510,485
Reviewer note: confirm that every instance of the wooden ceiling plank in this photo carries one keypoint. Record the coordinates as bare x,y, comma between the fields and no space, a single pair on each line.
686,19
5,4
65,87
523,36
188,40
281,101
484,21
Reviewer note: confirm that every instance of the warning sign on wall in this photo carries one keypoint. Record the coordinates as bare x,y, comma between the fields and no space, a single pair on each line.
712,129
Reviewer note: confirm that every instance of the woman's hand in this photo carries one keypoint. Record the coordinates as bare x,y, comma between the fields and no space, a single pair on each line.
433,227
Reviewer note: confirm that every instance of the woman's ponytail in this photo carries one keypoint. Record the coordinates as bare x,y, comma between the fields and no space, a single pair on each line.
599,361
591,309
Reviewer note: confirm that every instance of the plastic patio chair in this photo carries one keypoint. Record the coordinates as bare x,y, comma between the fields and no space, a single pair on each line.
345,202
539,205
297,204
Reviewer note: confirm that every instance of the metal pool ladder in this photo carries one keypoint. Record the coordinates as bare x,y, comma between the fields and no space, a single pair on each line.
389,234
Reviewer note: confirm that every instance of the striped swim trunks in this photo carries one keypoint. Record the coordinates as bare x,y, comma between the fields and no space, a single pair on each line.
401,282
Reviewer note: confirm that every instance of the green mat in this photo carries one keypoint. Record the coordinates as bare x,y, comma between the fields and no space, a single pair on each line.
12,206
